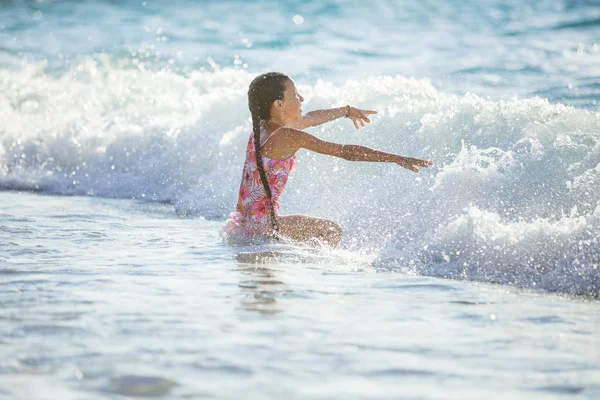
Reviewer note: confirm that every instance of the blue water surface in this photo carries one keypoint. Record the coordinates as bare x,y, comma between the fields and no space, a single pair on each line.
493,47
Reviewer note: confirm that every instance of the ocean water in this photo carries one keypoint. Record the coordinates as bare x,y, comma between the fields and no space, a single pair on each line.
122,130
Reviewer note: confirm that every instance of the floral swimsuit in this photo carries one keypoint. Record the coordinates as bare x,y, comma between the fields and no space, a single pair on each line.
252,218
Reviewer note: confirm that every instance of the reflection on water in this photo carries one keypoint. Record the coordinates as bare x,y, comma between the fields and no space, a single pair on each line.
259,284
261,272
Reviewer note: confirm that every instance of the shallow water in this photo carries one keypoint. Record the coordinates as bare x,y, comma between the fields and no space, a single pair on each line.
128,121
105,297
149,102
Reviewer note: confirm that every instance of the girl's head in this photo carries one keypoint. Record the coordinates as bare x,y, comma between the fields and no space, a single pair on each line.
274,96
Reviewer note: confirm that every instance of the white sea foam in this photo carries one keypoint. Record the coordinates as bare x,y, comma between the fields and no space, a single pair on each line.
513,196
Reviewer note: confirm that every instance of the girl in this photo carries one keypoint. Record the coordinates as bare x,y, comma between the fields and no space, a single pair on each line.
277,124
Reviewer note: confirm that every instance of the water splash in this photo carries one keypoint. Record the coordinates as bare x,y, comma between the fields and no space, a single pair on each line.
513,196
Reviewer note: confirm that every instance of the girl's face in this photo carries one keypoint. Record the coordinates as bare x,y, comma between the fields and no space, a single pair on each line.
291,105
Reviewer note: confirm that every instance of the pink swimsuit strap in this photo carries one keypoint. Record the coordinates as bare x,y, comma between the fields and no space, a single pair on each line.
252,214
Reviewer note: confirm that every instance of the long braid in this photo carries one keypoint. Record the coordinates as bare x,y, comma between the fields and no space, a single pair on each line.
263,91
261,171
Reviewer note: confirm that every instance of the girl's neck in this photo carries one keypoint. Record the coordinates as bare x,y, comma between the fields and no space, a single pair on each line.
273,124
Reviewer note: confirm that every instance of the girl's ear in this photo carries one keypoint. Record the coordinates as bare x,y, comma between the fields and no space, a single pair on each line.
278,103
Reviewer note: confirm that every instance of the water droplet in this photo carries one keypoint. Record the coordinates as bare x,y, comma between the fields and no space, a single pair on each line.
298,19
37,15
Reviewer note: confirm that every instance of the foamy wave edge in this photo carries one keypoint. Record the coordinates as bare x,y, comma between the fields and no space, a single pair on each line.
513,197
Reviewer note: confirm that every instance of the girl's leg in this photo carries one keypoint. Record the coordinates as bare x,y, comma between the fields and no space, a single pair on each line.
301,228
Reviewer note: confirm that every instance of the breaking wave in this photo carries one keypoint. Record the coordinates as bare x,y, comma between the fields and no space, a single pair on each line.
513,197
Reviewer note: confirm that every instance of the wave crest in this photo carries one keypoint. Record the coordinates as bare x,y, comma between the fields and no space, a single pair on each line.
513,196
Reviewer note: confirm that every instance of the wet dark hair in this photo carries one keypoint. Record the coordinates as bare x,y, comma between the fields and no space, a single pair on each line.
263,91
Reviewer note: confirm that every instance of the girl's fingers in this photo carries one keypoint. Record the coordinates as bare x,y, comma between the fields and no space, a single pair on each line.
364,117
409,166
369,112
361,118
422,163
412,168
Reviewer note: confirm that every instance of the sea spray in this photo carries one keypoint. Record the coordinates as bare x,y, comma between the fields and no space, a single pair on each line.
512,197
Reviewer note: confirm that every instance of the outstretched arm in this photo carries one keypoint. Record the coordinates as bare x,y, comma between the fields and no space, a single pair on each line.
318,117
290,140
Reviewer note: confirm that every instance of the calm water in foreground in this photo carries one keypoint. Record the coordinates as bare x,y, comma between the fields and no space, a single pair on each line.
106,298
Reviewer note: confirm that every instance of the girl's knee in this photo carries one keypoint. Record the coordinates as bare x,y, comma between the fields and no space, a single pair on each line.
335,227
334,231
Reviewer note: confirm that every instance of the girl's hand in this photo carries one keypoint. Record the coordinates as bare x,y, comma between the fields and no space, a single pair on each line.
359,116
411,163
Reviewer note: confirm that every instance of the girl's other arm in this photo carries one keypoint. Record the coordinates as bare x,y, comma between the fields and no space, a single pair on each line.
319,117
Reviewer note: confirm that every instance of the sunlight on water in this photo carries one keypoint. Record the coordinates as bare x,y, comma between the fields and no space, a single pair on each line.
134,114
